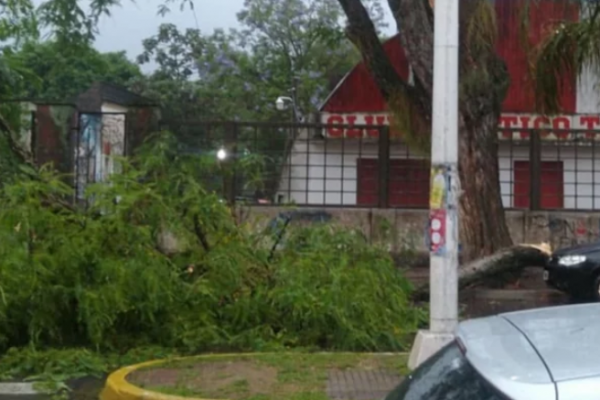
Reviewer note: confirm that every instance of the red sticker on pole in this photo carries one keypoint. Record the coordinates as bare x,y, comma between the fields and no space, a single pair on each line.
437,231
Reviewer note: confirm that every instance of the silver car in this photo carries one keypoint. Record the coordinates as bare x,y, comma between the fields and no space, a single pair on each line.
543,354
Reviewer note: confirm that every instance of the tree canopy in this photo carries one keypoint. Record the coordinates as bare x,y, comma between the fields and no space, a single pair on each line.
57,75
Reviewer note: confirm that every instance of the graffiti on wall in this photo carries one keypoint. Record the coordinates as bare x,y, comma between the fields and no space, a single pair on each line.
101,138
568,231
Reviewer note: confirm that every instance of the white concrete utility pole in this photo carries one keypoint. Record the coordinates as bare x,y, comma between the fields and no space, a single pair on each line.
445,187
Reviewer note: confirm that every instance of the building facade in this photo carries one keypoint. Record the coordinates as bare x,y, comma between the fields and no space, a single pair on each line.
340,167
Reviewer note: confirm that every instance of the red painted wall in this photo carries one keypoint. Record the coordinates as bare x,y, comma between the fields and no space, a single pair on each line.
543,16
358,92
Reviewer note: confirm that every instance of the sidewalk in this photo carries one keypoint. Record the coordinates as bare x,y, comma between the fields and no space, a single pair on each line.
360,384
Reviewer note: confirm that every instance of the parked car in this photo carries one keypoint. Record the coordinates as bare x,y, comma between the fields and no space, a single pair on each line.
542,354
575,271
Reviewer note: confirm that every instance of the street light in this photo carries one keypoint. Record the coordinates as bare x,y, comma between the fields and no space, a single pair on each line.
281,101
221,154
282,104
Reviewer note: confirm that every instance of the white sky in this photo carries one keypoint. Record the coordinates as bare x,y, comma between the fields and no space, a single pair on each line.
135,21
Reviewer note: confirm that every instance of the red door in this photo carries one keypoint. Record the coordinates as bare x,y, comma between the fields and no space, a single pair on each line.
551,185
367,182
409,183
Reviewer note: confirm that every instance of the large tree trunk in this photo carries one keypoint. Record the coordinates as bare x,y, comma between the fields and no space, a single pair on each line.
482,222
484,78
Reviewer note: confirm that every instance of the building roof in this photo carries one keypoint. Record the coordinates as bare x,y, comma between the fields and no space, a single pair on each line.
358,93
102,92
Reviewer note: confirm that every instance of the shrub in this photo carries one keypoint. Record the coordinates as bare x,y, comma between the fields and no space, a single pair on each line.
98,277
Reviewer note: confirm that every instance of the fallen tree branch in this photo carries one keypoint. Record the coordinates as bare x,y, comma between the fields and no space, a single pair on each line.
508,261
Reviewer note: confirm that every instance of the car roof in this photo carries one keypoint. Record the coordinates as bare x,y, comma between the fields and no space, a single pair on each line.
527,353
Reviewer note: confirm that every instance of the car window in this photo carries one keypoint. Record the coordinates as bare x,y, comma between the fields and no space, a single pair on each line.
445,376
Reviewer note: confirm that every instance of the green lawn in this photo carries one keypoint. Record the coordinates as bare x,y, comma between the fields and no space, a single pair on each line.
296,376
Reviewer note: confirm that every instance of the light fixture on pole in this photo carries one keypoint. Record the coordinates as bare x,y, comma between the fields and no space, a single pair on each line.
445,187
282,104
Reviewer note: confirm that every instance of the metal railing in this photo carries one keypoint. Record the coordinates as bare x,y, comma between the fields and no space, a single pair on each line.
313,164
369,166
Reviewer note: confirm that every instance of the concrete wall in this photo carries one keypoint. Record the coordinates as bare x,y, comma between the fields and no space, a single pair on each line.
324,172
401,229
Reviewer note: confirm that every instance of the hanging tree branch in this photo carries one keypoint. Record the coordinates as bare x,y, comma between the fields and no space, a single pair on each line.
411,104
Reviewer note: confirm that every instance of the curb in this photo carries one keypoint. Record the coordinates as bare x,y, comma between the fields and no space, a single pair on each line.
118,388
19,390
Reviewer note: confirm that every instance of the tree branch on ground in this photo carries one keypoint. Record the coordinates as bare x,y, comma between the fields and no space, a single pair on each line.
507,261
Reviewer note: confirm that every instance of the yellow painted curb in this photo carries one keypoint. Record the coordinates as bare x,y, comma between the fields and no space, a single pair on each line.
118,388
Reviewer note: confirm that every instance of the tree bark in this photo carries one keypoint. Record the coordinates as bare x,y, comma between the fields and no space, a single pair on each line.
484,81
482,221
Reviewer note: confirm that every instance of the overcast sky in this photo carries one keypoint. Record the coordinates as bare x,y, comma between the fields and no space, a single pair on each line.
135,21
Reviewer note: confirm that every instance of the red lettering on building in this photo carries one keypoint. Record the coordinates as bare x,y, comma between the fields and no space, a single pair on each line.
352,133
524,119
590,123
356,126
540,123
335,120
507,121
562,125
370,120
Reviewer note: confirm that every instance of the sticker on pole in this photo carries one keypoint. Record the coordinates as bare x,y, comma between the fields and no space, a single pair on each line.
437,232
438,187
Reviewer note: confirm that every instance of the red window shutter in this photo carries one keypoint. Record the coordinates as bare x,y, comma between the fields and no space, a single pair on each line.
552,184
367,184
409,183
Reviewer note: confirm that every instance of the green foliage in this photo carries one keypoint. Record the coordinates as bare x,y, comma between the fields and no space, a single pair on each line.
283,48
330,276
64,73
571,46
52,369
106,277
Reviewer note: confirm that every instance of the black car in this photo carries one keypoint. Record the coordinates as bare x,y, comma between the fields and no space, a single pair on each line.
575,271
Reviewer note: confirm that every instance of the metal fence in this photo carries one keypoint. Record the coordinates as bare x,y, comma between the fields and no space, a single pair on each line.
367,166
333,165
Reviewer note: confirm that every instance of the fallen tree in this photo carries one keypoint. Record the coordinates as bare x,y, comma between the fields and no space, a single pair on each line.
506,263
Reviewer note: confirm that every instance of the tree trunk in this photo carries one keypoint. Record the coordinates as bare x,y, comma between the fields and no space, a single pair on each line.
482,222
484,81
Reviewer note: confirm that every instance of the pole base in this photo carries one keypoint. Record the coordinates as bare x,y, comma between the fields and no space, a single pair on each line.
426,344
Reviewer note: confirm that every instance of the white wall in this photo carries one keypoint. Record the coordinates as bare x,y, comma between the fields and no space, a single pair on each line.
323,172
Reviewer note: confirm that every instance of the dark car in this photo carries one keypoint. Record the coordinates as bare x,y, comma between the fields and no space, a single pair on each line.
575,271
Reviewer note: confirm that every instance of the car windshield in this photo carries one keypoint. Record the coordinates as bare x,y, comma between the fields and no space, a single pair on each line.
445,376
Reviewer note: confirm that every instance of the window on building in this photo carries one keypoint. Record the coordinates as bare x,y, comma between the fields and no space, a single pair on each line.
551,184
408,183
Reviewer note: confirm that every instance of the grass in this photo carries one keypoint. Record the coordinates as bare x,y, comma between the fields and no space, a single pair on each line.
295,376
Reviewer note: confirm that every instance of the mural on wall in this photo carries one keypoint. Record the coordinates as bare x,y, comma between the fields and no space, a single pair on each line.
101,138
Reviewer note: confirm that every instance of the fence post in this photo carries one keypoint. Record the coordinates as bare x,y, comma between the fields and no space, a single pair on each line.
535,155
231,136
383,167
